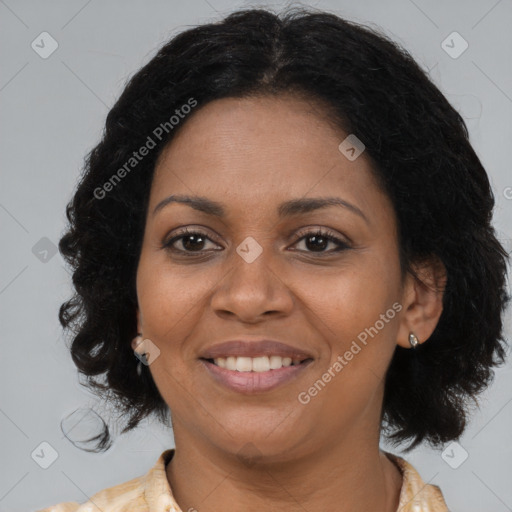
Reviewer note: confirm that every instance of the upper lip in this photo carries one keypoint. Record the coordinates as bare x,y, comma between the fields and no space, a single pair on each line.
254,348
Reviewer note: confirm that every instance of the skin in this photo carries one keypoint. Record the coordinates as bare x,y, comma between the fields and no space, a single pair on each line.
251,155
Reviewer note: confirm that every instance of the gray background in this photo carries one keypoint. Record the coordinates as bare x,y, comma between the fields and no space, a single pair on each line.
52,113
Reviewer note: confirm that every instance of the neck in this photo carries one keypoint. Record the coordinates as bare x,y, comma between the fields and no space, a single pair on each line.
346,477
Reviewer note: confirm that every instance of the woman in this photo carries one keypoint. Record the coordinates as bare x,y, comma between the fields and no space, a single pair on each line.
286,223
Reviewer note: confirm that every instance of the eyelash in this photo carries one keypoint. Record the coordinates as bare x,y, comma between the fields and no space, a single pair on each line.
329,235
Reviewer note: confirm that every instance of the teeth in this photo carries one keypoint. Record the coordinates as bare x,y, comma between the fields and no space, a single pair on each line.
243,364
255,364
276,362
260,364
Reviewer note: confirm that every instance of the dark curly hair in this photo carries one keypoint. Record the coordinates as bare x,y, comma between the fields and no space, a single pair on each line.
421,157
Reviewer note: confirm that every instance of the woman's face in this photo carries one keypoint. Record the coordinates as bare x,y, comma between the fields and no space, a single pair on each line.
252,269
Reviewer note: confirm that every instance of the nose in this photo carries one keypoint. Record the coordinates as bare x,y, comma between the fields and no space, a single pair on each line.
253,290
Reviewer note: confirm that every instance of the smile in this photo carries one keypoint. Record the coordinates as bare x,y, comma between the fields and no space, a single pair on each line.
252,375
255,364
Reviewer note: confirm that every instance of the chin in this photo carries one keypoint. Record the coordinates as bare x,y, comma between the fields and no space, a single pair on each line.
256,446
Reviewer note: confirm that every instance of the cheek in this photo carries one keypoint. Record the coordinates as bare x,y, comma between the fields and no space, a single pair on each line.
158,297
171,301
170,308
353,298
353,310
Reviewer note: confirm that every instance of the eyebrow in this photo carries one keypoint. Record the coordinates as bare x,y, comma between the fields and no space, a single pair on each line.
287,209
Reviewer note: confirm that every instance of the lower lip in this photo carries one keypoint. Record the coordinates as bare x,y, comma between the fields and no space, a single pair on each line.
254,382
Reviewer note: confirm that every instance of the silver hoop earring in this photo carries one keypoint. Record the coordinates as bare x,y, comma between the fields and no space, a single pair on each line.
413,340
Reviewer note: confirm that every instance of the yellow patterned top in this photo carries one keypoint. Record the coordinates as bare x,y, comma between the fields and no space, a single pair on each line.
152,493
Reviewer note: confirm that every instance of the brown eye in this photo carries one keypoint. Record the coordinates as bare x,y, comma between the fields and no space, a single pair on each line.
317,241
191,242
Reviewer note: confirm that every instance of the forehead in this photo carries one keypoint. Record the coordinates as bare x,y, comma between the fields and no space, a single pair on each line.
262,151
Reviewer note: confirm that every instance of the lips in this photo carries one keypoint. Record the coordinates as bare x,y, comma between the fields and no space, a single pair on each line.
254,348
251,383
251,366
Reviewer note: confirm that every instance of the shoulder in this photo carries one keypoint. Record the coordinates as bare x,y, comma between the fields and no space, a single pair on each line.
126,496
416,495
130,496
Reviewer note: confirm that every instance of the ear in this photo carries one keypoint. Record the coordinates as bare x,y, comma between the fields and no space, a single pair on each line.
422,301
